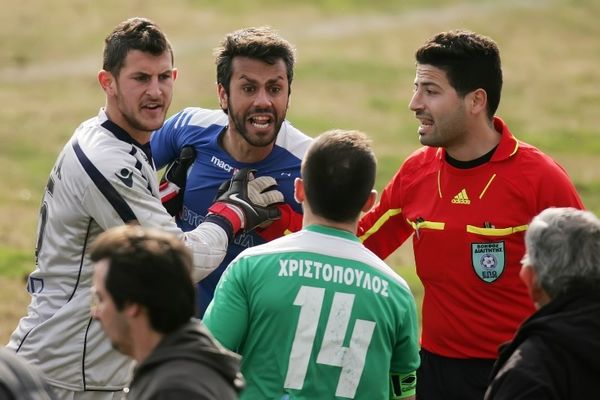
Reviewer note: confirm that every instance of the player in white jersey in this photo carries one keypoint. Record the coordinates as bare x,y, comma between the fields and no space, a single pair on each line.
105,177
315,314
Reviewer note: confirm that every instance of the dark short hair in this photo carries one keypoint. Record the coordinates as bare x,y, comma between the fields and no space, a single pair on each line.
338,172
151,268
471,61
133,34
260,43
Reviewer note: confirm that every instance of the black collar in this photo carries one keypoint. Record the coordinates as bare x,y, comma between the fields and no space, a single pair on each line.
471,163
122,134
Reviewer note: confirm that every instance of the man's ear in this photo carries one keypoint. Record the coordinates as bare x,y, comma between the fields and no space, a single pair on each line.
536,292
299,190
477,101
370,201
132,310
175,73
480,101
223,98
106,79
526,274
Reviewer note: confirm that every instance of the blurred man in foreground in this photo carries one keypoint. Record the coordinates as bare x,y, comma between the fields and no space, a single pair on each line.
144,299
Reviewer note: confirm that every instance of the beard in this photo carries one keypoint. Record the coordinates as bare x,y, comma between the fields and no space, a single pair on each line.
138,125
257,140
135,118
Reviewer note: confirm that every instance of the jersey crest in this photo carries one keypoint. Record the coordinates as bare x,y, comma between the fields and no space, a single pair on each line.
487,260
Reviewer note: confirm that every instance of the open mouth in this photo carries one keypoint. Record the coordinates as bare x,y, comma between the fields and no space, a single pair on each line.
261,122
425,123
152,106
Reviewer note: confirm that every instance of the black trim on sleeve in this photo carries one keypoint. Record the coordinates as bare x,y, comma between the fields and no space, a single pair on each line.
111,194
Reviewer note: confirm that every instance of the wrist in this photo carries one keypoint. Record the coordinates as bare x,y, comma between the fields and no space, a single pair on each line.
231,213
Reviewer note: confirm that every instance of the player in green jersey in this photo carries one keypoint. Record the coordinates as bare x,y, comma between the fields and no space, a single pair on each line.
314,314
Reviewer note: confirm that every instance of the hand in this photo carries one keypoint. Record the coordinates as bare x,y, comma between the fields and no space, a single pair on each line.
248,202
290,222
262,190
172,183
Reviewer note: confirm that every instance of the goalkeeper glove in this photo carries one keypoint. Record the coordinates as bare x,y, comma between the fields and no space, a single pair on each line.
290,222
247,202
172,184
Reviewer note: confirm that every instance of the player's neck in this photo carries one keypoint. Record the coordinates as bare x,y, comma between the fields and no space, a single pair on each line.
310,219
478,141
141,137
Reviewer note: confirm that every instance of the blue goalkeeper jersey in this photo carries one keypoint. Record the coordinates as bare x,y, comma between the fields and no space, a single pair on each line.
202,128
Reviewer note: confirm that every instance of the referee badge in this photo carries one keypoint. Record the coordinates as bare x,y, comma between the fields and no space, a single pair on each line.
487,260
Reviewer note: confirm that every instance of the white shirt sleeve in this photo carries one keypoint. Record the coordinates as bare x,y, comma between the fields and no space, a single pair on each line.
138,196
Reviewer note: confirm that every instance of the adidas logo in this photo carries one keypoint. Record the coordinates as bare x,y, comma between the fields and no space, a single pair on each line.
461,198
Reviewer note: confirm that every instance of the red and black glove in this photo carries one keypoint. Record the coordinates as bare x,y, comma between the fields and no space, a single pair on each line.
172,183
246,202
290,221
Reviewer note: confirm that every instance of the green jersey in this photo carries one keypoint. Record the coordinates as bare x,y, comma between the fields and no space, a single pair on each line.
315,315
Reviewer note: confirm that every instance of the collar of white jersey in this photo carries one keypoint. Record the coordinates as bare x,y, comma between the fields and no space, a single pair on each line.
122,134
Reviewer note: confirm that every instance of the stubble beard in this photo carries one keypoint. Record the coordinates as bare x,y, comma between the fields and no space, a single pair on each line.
446,131
136,122
239,121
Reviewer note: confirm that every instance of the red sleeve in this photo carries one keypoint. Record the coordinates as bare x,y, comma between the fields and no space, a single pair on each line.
557,190
383,229
290,222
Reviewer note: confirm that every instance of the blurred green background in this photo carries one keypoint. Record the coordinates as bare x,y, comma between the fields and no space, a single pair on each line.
355,70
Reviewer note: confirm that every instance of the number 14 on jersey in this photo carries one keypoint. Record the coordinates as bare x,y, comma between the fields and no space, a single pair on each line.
351,359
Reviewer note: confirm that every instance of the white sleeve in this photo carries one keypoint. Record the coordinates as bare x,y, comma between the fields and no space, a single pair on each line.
133,201
208,243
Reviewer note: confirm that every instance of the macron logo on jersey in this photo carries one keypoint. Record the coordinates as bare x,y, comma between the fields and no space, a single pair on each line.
461,198
221,164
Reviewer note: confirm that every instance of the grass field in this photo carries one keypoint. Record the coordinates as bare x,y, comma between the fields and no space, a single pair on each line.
355,70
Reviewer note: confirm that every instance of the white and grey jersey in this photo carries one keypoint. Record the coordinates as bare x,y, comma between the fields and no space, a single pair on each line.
102,179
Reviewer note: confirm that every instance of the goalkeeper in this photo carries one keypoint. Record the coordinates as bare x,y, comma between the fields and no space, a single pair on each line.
255,69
